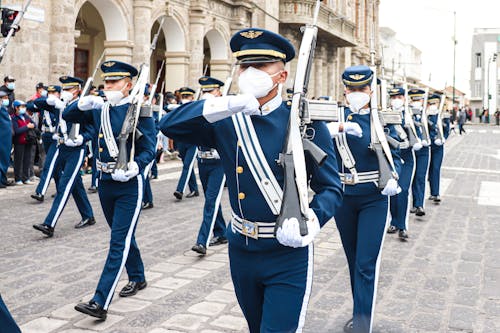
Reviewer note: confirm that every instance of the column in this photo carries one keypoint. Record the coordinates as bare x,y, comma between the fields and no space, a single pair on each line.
177,70
142,31
196,36
220,69
62,40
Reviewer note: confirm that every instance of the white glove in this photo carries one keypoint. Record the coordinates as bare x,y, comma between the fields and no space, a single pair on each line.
289,233
124,176
353,129
417,146
245,103
60,105
90,102
51,100
392,188
78,141
333,128
425,143
215,154
438,142
55,136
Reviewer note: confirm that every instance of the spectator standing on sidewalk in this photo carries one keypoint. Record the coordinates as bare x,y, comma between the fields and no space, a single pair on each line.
9,84
21,124
6,138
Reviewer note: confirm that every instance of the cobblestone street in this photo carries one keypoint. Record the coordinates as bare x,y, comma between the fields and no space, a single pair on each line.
446,278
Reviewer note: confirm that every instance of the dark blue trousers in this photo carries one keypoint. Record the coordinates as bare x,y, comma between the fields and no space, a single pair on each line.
212,179
148,194
272,282
5,147
95,152
361,221
69,161
51,153
437,154
188,154
7,323
419,179
400,203
121,204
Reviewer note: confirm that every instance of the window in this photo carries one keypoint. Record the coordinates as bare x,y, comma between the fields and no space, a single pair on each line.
476,92
478,60
81,66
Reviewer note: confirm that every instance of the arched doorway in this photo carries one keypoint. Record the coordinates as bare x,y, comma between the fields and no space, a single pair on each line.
216,55
158,56
176,56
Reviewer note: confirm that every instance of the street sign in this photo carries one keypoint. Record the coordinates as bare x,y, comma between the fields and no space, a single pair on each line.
32,14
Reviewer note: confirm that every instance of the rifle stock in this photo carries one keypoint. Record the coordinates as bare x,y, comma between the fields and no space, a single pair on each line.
385,169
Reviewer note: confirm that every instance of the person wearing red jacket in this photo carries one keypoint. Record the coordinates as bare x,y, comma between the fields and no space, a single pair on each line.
21,123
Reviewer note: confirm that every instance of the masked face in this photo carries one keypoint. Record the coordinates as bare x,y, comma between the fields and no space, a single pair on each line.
433,108
5,102
11,85
66,96
397,103
22,110
416,104
44,93
357,100
207,96
115,96
256,82
185,100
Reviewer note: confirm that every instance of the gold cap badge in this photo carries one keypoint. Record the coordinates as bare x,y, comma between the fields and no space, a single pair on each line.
251,34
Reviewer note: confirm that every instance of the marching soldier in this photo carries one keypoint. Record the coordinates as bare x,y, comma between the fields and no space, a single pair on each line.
249,132
438,137
212,179
187,152
49,139
147,200
120,192
422,155
362,217
69,157
400,202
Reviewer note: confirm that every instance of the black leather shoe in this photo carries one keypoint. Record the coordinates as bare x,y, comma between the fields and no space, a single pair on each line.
199,248
147,205
193,194
2,185
92,189
85,223
49,231
420,211
92,309
178,195
437,198
53,195
432,197
413,210
348,328
403,235
38,197
131,288
218,241
392,229
154,176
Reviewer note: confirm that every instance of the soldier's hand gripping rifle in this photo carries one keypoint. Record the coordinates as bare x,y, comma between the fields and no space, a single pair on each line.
75,128
14,27
295,203
130,123
379,142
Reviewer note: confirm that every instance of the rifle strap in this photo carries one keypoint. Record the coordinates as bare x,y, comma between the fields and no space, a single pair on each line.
107,132
249,144
48,121
344,151
377,135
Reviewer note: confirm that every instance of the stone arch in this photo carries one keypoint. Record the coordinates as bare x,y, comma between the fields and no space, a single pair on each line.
218,45
116,24
216,53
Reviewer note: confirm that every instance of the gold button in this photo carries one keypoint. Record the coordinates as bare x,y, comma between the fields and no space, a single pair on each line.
101,135
241,195
101,149
239,143
239,169
349,118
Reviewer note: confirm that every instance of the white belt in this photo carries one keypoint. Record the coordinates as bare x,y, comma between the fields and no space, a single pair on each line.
108,167
251,229
404,145
207,155
47,129
361,177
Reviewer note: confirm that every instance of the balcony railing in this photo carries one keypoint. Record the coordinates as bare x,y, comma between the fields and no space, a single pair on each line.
332,26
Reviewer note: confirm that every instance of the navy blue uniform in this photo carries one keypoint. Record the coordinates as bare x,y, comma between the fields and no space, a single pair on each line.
68,161
362,219
422,159
121,201
7,323
212,179
187,152
272,281
437,152
6,146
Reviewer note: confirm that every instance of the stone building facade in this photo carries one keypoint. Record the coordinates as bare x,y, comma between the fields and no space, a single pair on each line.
66,37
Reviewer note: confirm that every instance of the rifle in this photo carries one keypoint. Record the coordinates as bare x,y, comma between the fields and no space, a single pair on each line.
75,128
425,125
295,201
14,27
439,122
379,142
198,93
409,124
130,123
155,86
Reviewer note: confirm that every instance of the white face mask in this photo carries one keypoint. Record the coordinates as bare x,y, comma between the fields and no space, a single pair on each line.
357,100
397,103
184,101
207,96
416,104
66,96
44,93
114,96
256,82
11,85
433,108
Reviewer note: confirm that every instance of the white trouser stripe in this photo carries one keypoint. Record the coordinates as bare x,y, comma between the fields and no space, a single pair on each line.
409,189
128,239
216,209
190,170
67,190
49,174
426,176
377,265
307,294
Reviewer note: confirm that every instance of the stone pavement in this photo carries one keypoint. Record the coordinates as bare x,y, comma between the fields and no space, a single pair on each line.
446,278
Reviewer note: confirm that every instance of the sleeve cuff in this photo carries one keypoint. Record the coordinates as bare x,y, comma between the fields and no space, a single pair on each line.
216,109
